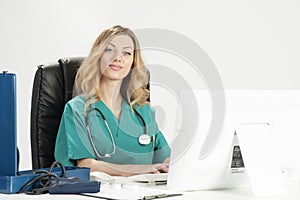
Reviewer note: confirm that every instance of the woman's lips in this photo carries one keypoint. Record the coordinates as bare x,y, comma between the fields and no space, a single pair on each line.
115,67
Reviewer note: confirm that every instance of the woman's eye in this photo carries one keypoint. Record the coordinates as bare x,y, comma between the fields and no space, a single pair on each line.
127,53
108,50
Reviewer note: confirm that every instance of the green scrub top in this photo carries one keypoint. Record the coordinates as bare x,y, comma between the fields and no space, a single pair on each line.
72,142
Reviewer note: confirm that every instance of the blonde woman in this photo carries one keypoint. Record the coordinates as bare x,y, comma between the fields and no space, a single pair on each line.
110,126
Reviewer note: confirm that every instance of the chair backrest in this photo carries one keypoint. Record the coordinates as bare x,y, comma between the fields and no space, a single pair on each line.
52,88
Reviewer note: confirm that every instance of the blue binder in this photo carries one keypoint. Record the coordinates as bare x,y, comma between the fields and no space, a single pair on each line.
8,146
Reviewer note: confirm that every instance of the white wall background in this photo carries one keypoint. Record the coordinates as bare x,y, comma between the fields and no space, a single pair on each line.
253,43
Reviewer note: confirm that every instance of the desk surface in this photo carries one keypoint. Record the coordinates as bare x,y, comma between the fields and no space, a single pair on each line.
234,194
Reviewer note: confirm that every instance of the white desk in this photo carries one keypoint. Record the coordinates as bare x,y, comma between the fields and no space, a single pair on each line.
236,194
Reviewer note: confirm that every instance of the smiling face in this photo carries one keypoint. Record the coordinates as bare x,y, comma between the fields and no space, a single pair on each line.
117,58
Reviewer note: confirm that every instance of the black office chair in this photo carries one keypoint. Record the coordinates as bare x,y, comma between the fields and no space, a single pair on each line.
52,88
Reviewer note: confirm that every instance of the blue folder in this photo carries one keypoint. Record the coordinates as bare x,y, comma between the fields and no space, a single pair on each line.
8,146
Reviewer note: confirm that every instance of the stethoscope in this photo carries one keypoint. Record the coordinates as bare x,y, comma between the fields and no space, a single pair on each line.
144,139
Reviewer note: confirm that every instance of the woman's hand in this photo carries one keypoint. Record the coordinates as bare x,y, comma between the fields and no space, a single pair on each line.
162,167
123,170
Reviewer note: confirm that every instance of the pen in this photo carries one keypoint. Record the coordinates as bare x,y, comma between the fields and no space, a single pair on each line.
159,196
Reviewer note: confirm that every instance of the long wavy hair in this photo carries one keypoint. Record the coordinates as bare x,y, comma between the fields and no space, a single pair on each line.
87,80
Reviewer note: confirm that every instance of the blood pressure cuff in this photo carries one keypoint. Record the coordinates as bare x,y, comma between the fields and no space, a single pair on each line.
48,181
75,186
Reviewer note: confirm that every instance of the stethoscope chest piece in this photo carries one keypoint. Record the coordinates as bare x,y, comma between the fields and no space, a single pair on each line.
144,139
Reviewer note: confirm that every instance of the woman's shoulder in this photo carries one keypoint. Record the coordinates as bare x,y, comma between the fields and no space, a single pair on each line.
76,103
145,108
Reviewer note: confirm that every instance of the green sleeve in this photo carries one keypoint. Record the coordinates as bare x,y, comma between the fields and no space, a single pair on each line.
72,140
162,150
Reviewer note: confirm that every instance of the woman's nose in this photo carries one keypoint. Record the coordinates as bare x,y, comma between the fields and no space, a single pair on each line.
118,56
